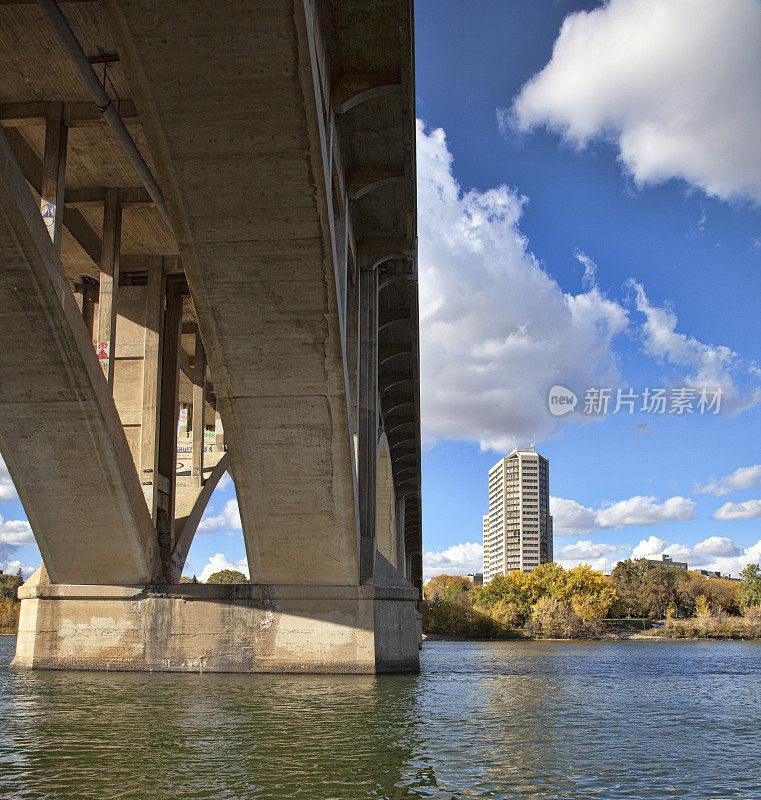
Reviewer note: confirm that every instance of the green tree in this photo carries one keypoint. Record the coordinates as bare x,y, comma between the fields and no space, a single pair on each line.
446,587
649,589
750,588
227,576
9,585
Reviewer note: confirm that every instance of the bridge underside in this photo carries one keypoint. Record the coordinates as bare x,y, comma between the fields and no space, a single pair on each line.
240,295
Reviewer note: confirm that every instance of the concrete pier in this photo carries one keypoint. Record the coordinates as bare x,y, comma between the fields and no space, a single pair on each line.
212,268
219,628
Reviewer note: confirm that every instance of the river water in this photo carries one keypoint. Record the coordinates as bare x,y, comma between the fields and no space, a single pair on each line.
482,720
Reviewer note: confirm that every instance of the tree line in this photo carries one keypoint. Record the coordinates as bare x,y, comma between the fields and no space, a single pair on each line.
556,602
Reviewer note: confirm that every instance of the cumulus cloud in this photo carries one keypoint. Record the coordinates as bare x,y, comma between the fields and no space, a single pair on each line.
490,312
598,555
654,546
12,568
15,532
220,561
717,553
459,559
227,520
674,84
641,510
750,509
7,489
718,546
741,478
713,367
571,518
586,549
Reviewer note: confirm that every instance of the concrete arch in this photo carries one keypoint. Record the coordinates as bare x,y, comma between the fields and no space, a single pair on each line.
385,525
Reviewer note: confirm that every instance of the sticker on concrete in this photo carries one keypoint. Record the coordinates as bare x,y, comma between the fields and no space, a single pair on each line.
103,349
47,209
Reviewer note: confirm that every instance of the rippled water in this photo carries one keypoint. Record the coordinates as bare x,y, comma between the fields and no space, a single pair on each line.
483,720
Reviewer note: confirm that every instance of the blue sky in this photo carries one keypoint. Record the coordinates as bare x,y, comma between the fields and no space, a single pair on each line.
589,191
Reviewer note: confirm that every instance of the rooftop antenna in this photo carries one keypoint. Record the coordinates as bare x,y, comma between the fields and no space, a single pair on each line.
533,442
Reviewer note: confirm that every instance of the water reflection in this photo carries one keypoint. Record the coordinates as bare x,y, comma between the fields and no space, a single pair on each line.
489,720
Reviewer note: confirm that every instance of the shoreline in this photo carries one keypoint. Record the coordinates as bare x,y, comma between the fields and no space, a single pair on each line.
624,637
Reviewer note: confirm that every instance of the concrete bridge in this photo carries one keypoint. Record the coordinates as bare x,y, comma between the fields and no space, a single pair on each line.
208,246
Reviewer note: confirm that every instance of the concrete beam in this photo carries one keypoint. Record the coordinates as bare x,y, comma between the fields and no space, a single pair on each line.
53,174
109,284
74,114
199,403
31,167
149,429
96,196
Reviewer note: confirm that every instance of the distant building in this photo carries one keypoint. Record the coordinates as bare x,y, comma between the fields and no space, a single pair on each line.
667,562
477,578
708,573
518,528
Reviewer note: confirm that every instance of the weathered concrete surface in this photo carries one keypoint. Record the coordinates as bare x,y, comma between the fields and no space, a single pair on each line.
213,628
242,165
60,432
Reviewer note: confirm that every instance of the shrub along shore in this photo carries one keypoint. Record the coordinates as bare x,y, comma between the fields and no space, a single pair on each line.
10,605
581,603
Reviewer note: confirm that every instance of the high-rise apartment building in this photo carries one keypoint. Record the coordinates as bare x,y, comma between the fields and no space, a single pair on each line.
518,527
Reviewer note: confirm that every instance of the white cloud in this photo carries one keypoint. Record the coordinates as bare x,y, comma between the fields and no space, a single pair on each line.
654,546
571,518
640,510
12,568
673,83
228,519
15,532
741,478
586,549
707,366
224,481
718,546
589,279
598,555
736,564
7,489
459,559
717,553
218,562
490,312
750,509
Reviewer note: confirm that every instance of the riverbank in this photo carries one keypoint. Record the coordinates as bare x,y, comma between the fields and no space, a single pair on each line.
663,630
623,636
